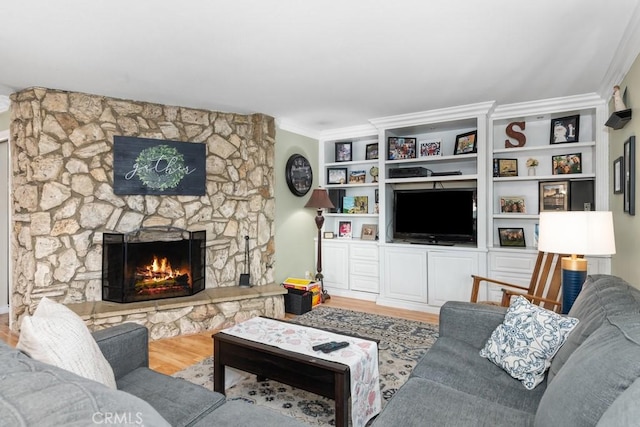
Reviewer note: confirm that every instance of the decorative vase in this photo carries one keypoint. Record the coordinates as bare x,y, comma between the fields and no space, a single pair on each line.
532,171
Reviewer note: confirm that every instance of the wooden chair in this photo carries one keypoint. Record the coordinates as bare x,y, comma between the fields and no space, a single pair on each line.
544,288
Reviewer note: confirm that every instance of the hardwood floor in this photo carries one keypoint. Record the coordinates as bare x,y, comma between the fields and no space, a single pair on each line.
171,355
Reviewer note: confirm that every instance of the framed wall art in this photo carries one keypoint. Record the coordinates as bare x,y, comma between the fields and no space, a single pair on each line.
466,143
343,152
371,151
566,164
401,148
512,204
512,237
618,173
507,167
336,175
629,186
553,196
429,148
565,129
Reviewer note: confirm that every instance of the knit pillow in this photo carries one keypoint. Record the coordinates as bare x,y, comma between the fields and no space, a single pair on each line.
57,336
526,341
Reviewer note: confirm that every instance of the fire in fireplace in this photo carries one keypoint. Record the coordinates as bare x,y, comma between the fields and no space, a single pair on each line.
152,263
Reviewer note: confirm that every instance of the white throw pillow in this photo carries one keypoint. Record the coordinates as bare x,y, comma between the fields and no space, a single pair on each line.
57,336
526,341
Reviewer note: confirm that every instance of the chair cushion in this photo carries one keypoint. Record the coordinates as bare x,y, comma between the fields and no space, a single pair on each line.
526,341
59,337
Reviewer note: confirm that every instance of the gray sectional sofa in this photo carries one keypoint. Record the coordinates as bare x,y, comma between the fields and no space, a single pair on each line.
593,379
37,394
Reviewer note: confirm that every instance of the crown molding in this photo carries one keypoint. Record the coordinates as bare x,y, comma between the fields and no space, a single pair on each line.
434,116
288,126
547,106
351,132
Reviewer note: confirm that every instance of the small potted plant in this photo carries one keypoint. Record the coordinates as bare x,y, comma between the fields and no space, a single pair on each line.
531,165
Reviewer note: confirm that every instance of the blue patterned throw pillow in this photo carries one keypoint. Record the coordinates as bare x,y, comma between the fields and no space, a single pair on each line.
526,341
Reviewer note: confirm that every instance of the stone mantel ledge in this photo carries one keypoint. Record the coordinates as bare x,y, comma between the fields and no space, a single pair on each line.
221,307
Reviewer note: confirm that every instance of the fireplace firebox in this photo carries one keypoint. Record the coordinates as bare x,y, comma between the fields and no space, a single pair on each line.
152,263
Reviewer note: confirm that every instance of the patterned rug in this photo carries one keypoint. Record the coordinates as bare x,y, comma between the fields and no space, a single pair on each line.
401,344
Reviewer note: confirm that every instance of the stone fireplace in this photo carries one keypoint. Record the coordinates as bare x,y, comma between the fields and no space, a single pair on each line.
63,204
152,263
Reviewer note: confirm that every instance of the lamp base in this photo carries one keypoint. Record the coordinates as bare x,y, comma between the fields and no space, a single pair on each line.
574,273
324,295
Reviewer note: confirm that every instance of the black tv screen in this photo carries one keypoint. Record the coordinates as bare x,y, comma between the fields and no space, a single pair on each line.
435,216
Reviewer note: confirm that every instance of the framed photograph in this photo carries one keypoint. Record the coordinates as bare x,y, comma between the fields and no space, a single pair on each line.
429,148
369,231
512,204
629,186
343,152
336,175
466,143
357,177
328,235
566,164
553,196
565,129
536,234
401,148
513,237
344,229
371,151
355,204
618,175
507,167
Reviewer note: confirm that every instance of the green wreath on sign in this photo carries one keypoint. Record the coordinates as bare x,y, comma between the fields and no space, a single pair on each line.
160,167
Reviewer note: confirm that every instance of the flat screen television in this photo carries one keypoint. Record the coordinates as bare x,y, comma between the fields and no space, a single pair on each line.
435,216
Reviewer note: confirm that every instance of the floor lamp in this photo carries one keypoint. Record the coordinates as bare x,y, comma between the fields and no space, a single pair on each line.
320,200
576,233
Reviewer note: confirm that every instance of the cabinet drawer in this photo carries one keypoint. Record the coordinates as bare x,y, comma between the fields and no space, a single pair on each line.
517,263
364,268
365,284
369,252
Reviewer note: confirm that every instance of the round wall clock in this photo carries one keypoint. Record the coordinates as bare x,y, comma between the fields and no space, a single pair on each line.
298,174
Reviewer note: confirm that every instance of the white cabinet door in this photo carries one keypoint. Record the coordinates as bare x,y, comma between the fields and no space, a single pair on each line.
450,275
335,264
405,274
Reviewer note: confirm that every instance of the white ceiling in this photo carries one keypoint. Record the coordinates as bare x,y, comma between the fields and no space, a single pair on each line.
318,65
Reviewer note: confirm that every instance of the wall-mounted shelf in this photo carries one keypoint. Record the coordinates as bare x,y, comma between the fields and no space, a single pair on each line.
619,119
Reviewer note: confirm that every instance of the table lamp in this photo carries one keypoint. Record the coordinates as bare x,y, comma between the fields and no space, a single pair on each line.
320,200
576,233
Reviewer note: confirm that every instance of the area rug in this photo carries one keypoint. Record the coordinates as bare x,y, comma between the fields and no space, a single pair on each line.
401,344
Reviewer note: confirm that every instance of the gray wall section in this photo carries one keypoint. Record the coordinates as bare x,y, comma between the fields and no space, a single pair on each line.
295,226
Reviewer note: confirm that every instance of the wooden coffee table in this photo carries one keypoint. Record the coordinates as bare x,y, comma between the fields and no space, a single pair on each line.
322,377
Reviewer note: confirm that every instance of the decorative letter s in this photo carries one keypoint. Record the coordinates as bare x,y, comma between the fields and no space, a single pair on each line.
518,136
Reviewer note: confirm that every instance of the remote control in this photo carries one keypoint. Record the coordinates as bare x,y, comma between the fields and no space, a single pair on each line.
321,347
334,346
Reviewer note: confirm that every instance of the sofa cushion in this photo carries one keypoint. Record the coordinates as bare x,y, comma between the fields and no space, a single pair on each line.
421,402
593,377
57,336
625,410
36,394
236,413
180,402
601,296
526,341
457,364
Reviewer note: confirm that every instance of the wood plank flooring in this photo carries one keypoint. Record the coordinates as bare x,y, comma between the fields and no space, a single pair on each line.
171,355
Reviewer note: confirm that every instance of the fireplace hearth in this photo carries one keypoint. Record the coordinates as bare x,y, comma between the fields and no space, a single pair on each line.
152,263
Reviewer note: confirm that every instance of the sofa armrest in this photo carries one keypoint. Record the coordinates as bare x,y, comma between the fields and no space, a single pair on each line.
125,346
469,322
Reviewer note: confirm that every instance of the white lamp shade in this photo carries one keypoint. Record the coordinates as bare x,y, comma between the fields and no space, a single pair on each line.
577,233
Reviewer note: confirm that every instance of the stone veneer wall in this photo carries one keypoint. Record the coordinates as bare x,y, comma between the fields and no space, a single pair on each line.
63,200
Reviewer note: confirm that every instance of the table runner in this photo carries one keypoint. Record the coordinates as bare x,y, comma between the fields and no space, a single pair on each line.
361,356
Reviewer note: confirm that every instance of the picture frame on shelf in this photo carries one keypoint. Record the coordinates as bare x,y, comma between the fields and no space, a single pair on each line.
507,167
357,177
336,175
369,232
553,196
344,230
512,237
629,186
618,175
565,164
512,204
328,235
355,204
429,148
565,129
401,148
536,234
343,152
371,151
466,143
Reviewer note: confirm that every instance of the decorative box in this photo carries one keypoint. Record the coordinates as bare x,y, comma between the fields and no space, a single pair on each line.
297,301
